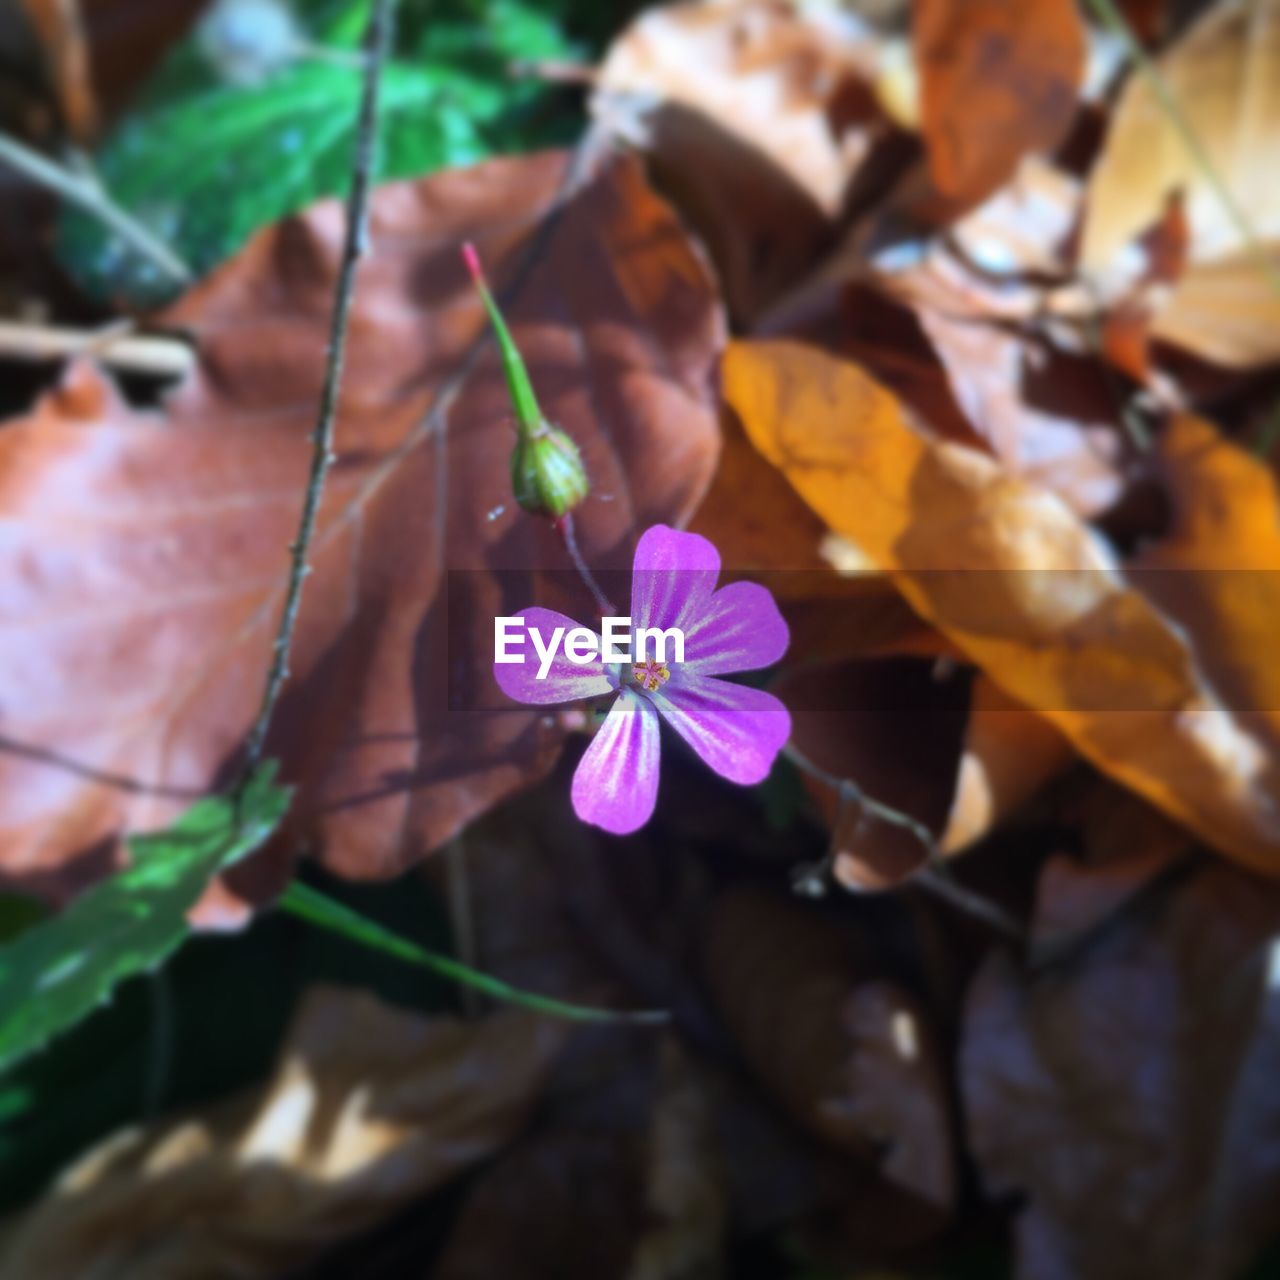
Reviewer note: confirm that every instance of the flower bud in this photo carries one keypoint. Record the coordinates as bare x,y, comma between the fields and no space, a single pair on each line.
546,472
547,476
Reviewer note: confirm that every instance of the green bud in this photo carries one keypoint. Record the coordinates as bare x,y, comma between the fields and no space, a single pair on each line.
547,475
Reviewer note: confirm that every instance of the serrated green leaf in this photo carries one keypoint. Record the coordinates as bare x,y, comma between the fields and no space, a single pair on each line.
54,973
203,164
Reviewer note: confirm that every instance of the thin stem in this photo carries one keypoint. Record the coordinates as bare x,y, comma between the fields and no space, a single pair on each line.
317,909
850,793
1110,16
934,876
564,526
377,42
88,193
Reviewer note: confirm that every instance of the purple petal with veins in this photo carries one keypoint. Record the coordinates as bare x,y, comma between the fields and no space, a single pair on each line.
673,576
616,782
740,629
565,681
736,730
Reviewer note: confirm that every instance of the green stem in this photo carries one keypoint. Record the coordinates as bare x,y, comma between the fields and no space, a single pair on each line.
316,908
528,414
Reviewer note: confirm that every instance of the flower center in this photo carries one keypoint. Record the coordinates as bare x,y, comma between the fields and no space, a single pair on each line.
651,675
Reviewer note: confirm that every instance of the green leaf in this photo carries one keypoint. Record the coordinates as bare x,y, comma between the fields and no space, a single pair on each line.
311,905
203,164
56,972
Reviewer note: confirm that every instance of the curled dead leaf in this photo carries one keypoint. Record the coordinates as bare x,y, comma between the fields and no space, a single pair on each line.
369,1108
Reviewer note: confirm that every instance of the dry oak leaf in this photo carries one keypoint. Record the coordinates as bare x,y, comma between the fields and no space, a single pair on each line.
997,79
1031,594
369,1108
143,553
1129,1096
1225,75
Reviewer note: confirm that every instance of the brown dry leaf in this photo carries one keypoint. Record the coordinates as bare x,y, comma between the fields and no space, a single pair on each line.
1225,75
1029,593
848,1057
1130,1094
145,552
758,115
997,80
369,1109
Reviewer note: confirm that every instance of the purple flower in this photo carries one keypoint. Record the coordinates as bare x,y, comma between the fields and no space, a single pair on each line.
737,730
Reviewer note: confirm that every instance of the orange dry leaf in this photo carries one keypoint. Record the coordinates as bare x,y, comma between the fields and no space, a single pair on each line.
144,552
1031,594
997,79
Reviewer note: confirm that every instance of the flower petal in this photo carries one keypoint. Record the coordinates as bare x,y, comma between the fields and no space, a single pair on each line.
565,681
673,575
616,783
737,730
740,629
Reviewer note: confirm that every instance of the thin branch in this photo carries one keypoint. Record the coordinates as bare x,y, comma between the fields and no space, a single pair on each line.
377,43
935,875
1110,16
89,194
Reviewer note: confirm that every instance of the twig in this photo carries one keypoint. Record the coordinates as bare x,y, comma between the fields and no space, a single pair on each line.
114,345
934,876
86,191
1110,16
377,43
564,526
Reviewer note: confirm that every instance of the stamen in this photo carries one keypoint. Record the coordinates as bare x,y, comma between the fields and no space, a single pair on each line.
651,675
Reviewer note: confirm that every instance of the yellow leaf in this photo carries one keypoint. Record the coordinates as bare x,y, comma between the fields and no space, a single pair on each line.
1022,586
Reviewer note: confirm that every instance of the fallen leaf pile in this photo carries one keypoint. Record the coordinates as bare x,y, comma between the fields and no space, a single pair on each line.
951,324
